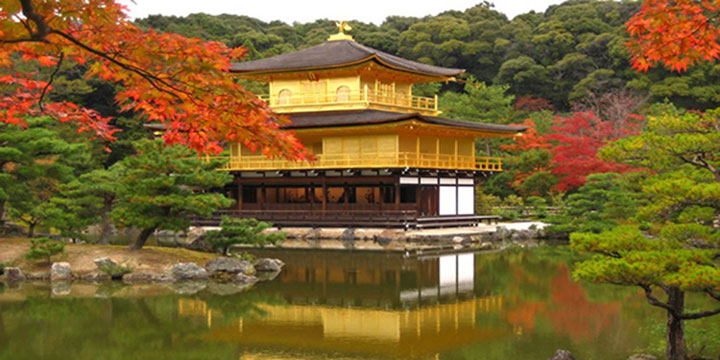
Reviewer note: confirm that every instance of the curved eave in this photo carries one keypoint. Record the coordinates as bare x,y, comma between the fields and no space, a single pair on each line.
373,57
480,128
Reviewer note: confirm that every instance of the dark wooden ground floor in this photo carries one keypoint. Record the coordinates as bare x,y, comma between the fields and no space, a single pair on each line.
392,200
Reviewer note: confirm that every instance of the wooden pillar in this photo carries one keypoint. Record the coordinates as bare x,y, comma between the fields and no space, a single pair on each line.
397,194
239,197
324,195
437,150
347,196
417,150
456,153
263,195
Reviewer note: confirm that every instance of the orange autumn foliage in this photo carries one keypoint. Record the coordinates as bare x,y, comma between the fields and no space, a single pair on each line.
181,82
677,33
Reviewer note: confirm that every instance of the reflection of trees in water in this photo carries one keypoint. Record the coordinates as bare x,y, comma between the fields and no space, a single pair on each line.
117,328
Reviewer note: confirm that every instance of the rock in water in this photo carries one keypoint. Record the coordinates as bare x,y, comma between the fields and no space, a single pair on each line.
96,276
61,288
138,278
267,264
501,234
244,279
562,355
387,236
229,265
104,262
348,235
14,274
187,271
60,271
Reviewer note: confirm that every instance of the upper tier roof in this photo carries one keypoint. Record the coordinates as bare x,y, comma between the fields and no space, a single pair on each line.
366,117
332,54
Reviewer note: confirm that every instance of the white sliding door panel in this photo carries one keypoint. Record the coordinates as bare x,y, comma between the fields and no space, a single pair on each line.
448,200
466,200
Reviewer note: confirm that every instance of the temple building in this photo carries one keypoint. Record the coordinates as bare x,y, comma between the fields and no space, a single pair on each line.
383,156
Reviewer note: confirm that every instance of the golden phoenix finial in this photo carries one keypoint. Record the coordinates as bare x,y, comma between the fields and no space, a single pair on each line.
342,26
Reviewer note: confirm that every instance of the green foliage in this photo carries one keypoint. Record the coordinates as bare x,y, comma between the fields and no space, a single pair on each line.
684,188
479,102
44,248
605,201
35,161
161,187
242,231
563,54
116,271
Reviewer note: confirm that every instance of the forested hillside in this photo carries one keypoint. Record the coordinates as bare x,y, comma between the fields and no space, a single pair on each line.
562,55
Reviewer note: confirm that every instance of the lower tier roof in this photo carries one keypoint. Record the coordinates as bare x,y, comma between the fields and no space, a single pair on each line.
370,117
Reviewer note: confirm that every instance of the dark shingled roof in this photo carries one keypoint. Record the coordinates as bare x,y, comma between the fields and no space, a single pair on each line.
367,117
338,53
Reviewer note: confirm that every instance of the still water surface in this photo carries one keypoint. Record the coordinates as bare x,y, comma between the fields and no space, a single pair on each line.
340,305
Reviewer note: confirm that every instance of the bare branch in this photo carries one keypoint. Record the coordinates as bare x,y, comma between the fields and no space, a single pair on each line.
700,315
654,301
52,77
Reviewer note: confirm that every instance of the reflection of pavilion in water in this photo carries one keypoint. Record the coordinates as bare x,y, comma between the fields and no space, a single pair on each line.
369,304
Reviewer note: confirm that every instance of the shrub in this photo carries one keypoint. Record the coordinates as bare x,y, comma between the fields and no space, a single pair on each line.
115,271
241,231
44,248
2,268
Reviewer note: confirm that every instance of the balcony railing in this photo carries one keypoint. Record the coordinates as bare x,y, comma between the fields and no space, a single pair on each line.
367,97
367,161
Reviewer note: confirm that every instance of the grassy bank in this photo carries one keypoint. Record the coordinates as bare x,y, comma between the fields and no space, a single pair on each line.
151,259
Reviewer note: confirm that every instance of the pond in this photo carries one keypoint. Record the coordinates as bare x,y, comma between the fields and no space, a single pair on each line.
343,305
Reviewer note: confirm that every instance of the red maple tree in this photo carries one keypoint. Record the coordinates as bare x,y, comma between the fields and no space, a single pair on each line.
181,82
678,33
577,140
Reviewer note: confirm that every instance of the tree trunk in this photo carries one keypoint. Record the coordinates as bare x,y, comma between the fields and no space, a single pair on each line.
31,230
106,225
142,238
2,212
675,349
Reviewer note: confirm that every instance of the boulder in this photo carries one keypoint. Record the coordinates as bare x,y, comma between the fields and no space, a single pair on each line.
501,234
228,265
96,276
14,274
244,279
104,262
60,271
267,264
138,278
313,234
641,357
187,271
201,245
348,235
194,233
562,355
485,246
387,236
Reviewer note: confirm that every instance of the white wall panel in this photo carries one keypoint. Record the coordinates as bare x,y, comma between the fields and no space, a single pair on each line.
448,200
466,200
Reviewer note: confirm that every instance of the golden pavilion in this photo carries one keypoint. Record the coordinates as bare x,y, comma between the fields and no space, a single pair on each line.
383,156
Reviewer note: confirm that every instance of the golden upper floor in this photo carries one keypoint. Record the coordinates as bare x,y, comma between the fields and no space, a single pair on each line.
380,140
344,75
